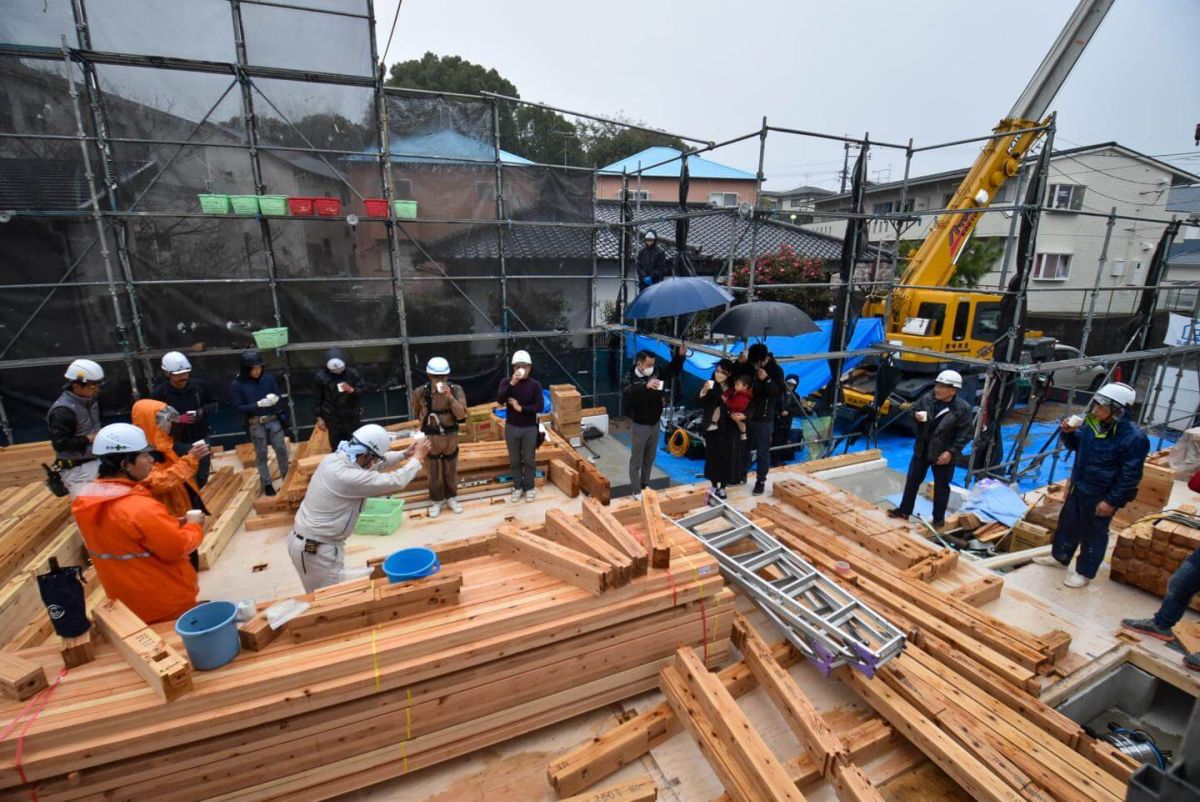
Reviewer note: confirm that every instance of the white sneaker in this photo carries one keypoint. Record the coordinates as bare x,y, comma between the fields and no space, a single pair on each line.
1048,561
435,510
637,496
530,494
516,496
1076,580
454,506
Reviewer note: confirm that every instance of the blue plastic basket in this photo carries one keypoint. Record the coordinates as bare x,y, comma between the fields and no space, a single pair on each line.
413,563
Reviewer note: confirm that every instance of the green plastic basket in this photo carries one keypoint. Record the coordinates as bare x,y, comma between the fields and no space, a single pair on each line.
244,204
271,338
275,205
405,209
380,516
214,204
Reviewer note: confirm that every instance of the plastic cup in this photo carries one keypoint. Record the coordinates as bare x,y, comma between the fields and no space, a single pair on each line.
441,387
921,416
1075,421
194,517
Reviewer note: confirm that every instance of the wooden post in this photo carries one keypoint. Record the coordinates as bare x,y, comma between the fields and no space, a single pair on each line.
553,558
20,678
167,673
601,521
656,530
78,650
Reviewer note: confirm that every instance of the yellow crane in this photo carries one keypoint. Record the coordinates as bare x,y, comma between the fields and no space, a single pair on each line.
965,322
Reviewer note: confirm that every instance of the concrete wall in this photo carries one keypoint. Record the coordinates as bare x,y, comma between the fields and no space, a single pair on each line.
1111,178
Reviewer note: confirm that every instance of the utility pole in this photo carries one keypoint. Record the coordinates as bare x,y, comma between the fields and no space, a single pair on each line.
845,165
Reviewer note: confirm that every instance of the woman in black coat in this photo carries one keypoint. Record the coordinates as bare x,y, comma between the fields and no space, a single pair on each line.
720,432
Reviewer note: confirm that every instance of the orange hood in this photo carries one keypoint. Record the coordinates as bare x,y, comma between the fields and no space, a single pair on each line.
145,414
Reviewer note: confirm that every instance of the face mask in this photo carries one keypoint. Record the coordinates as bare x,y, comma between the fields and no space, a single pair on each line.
644,372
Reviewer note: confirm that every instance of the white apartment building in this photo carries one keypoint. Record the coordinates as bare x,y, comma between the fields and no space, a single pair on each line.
1095,178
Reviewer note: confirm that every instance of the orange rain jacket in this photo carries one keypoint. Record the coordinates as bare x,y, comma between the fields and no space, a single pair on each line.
139,549
168,481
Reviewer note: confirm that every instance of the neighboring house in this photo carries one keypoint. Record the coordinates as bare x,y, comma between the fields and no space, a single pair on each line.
708,182
794,205
1094,178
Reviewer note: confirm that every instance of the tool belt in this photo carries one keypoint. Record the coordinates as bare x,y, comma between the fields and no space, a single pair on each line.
432,430
443,456
310,545
260,420
61,464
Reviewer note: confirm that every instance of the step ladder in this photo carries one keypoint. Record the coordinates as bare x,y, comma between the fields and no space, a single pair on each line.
826,624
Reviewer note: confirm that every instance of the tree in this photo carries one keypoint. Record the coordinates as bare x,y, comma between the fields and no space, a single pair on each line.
977,259
788,267
606,143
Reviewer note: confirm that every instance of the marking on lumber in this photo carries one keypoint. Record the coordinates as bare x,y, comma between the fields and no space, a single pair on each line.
167,673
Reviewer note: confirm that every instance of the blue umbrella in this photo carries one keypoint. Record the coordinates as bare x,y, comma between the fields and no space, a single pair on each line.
677,296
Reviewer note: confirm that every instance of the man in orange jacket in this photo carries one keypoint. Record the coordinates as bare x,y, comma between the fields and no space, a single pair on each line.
139,549
172,481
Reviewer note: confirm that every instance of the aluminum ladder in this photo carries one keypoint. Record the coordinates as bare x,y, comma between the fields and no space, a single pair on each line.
826,624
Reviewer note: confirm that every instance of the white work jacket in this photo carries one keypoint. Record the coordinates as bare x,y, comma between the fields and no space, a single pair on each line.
338,489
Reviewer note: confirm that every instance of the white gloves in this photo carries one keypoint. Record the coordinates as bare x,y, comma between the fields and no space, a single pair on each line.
269,401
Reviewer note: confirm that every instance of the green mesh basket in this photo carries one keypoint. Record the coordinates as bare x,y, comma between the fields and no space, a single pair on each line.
271,338
274,205
244,204
214,204
380,516
405,209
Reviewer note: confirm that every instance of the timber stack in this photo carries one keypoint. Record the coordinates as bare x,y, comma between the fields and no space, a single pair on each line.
521,628
21,464
30,516
1149,552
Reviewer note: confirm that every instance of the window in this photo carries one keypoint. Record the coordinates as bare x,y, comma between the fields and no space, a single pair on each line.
885,207
722,199
987,322
402,187
935,313
909,204
1052,267
961,316
636,195
1065,196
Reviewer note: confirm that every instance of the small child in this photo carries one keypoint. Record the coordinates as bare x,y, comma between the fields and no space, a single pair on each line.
737,399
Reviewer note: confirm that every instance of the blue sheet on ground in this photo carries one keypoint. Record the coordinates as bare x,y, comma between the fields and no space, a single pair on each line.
812,375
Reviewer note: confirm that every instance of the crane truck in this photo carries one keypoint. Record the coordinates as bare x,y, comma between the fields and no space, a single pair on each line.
924,311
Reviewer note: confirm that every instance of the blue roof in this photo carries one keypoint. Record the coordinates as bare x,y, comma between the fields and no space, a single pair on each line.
441,147
697,167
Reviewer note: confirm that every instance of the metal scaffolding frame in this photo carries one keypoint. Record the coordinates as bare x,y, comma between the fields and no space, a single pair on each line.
111,218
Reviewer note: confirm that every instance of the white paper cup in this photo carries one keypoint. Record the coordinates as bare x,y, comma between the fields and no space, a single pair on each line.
441,387
1075,421
194,517
921,416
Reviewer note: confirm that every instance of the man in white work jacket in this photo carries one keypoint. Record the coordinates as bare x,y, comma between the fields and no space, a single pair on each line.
360,468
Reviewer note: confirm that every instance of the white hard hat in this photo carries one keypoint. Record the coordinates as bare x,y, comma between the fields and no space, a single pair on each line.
521,358
120,438
84,371
437,367
651,235
174,363
374,438
335,365
1117,393
951,378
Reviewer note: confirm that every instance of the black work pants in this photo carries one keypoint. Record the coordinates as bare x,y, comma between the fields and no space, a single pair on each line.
942,475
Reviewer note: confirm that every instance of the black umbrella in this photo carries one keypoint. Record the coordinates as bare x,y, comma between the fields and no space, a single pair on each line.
764,319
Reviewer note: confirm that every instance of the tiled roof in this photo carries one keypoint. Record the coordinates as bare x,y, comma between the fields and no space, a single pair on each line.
711,235
697,167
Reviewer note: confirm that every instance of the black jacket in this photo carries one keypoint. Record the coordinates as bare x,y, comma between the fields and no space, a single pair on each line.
643,405
950,431
652,264
332,405
767,392
194,397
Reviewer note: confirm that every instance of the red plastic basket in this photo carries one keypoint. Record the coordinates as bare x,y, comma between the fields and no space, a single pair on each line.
301,207
376,207
328,207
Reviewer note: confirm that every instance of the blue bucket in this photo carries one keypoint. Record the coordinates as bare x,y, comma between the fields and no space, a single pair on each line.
209,633
409,564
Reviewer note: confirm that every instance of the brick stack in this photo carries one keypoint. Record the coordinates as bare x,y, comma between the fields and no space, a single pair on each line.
567,406
1148,553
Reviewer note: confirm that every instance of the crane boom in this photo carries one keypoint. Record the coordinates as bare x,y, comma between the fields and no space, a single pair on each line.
1059,61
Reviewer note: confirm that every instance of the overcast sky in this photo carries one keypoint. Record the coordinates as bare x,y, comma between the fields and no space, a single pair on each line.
933,70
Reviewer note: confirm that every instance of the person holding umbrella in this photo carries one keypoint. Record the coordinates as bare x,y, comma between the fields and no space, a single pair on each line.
767,384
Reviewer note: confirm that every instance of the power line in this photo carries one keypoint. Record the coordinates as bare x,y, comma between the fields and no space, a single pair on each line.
392,32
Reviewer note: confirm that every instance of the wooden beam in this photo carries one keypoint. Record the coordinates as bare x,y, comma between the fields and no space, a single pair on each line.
78,650
229,521
569,531
805,722
373,604
641,789
564,477
657,538
20,678
981,591
167,673
269,521
840,461
557,560
747,751
600,520
851,784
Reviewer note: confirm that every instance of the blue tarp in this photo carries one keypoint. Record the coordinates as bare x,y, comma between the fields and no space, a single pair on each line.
813,375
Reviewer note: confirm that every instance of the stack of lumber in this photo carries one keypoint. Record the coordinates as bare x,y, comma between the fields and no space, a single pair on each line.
245,455
30,516
20,601
232,499
840,461
969,526
22,463
566,406
853,518
1147,553
1154,491
291,492
1045,510
521,649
